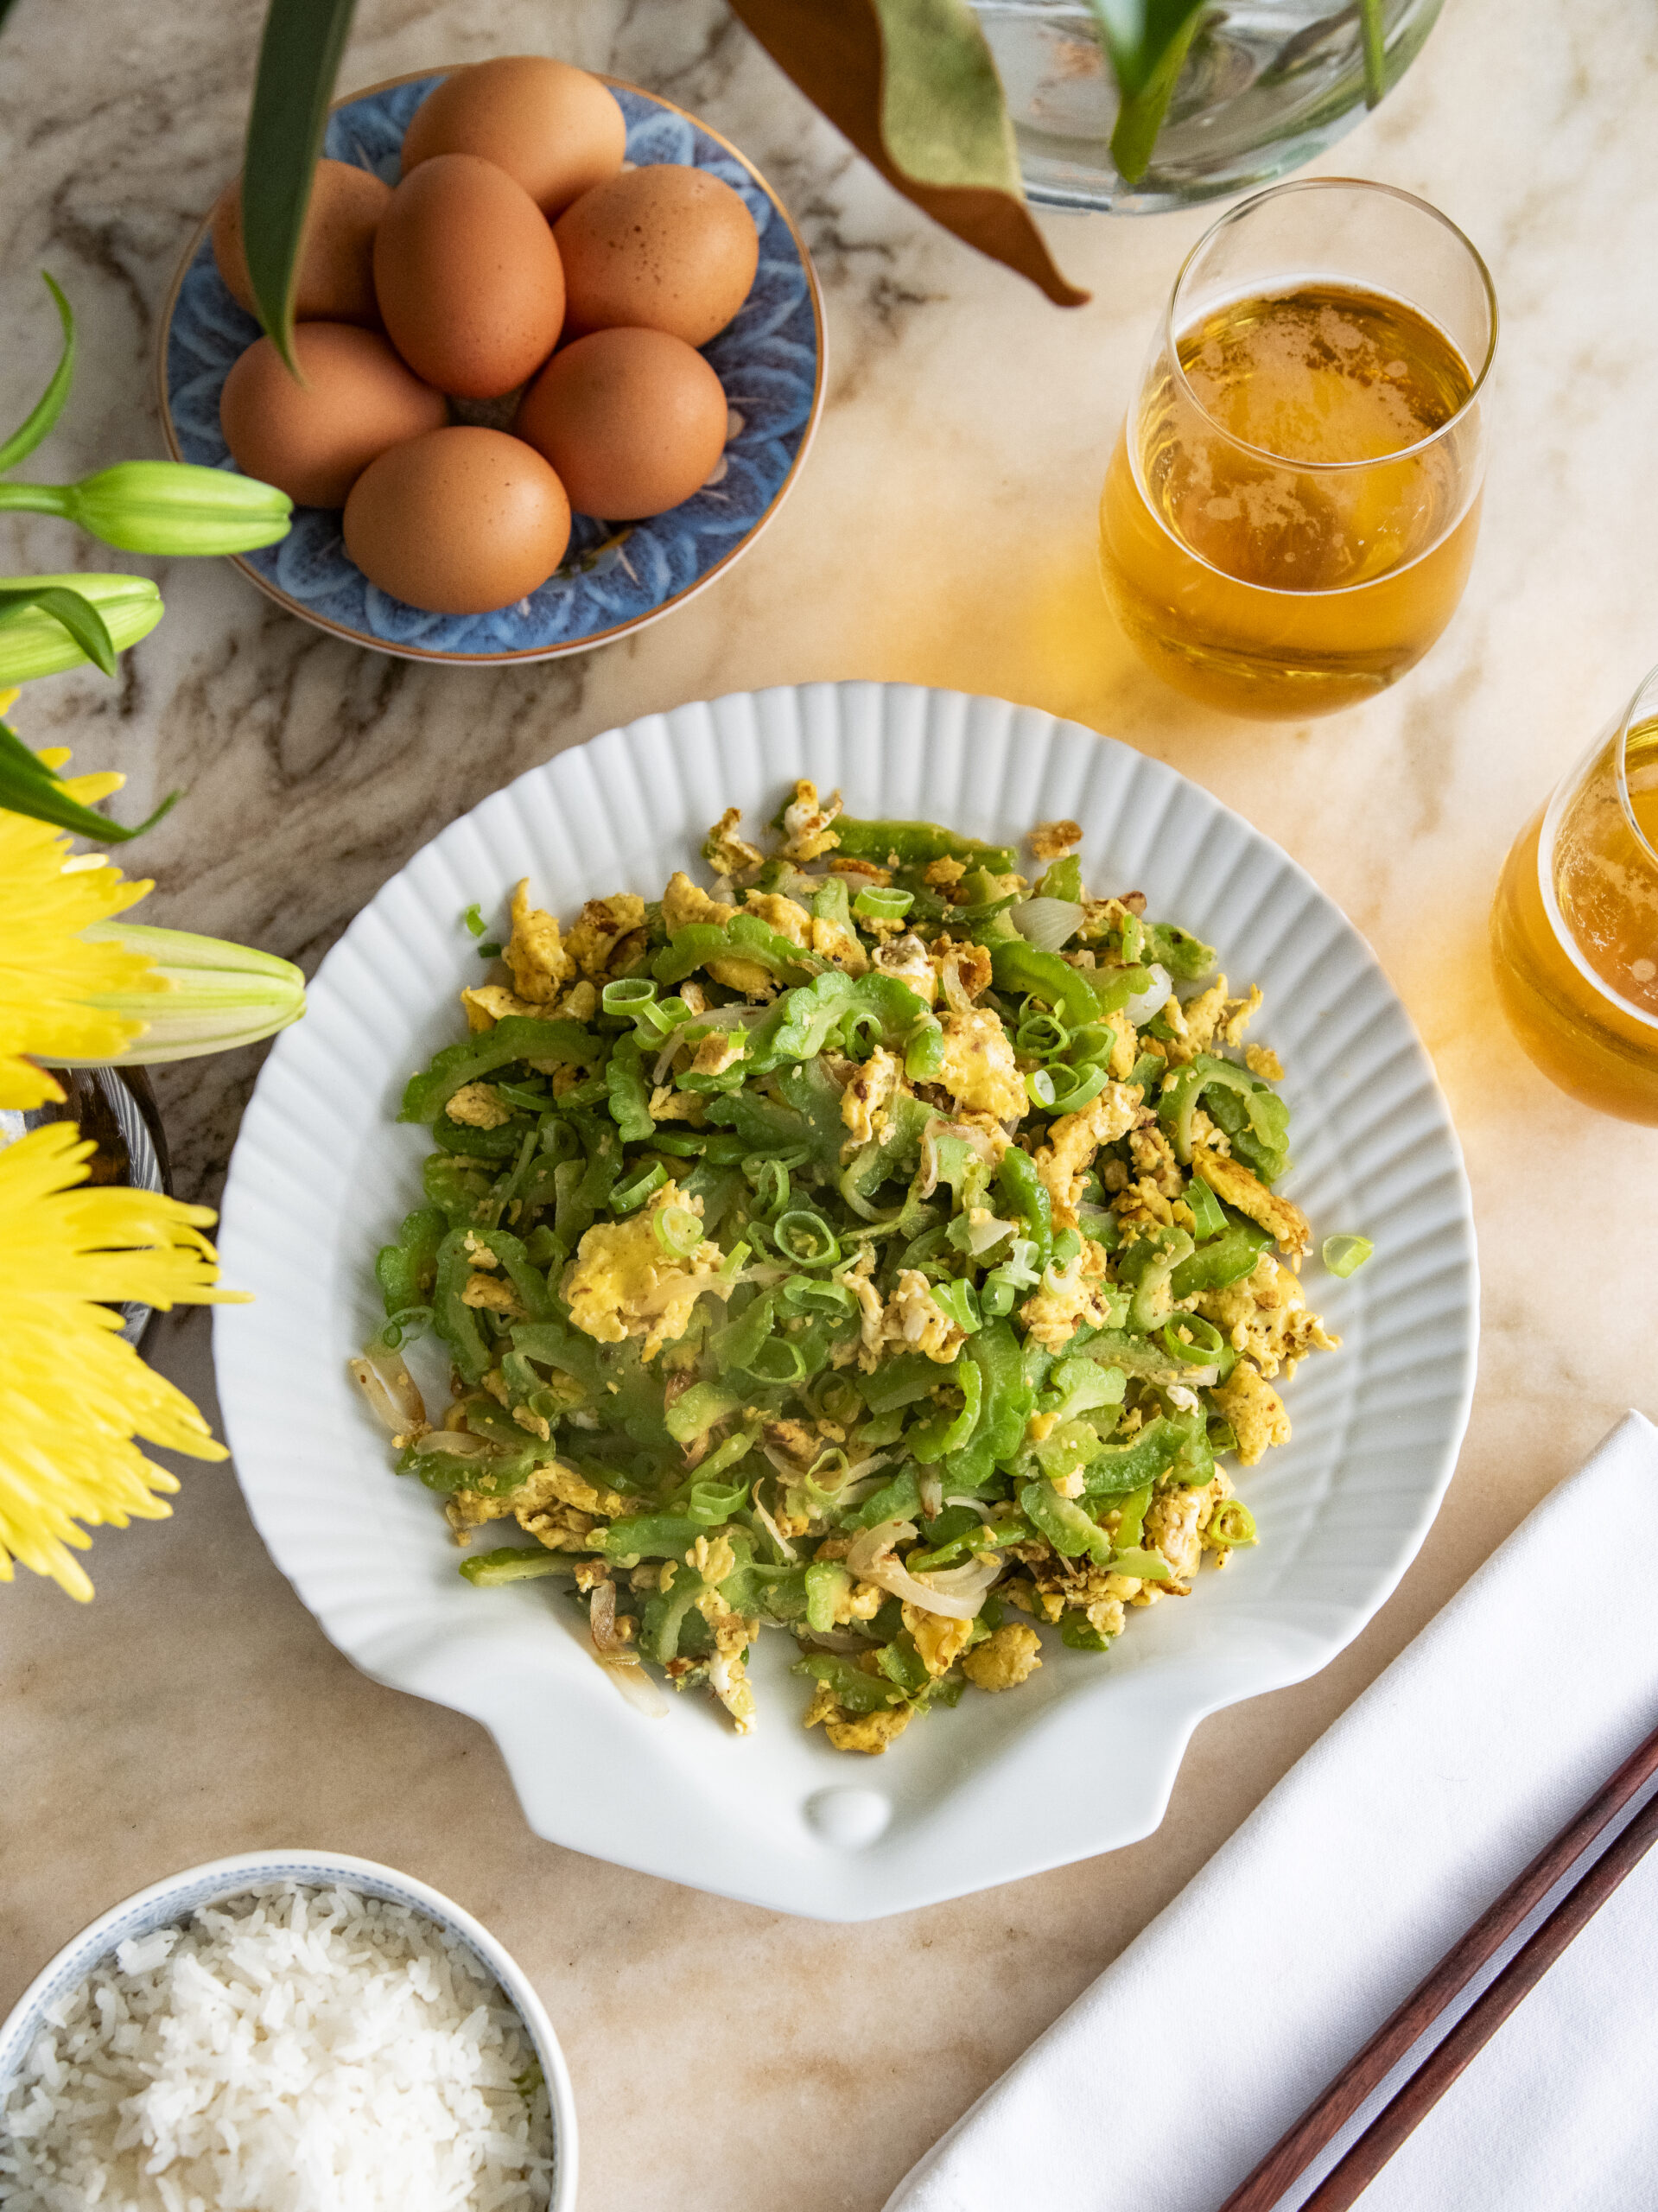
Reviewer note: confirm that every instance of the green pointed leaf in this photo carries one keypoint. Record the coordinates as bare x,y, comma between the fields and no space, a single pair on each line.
28,787
299,61
48,408
1146,42
942,114
71,610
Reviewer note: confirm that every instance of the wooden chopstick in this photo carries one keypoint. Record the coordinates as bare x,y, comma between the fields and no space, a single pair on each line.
1348,2181
1324,2120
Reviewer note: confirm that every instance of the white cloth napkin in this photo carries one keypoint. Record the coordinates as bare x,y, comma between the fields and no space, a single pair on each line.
1165,2083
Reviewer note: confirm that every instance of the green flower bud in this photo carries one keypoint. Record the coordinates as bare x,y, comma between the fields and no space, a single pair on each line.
171,506
217,995
33,643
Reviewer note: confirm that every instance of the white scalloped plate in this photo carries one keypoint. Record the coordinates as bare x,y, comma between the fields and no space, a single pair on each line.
1082,1758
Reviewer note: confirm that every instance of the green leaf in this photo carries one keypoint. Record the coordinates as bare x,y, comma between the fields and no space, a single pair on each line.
912,82
48,408
71,610
299,61
35,641
28,787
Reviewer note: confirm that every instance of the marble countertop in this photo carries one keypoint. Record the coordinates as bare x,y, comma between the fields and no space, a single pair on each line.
943,533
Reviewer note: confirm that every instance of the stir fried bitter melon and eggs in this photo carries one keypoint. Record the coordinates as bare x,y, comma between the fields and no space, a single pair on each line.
880,1244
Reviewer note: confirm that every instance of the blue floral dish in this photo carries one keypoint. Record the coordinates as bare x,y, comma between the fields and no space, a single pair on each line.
615,577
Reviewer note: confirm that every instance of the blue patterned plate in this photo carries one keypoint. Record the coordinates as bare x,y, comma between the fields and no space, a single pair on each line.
615,577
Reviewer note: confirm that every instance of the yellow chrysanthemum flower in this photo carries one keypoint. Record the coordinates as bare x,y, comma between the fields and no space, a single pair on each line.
73,1395
48,973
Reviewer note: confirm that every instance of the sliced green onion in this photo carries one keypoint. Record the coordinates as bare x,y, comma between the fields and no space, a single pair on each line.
679,1231
1231,1522
1087,1083
778,1360
1092,1043
727,1455
682,1147
961,1302
1201,1343
711,1502
1067,1246
861,1032
996,1295
769,1180
627,993
883,905
473,919
490,949
1345,1256
807,1239
408,1321
1039,1085
629,1196
1040,1035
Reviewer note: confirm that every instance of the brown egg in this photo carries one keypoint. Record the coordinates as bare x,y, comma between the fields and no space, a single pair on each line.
468,277
666,247
313,440
460,521
336,270
634,421
555,129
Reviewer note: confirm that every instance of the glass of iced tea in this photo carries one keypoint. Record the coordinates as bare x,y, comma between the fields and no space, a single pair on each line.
1289,514
1574,932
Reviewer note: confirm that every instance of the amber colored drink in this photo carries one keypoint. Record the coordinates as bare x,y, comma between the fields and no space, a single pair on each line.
1574,932
1268,589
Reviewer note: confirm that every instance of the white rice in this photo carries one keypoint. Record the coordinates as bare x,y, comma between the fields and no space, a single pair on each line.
293,2050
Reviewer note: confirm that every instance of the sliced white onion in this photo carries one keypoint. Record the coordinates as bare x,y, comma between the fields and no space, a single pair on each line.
870,1545
970,1579
982,1235
775,1533
957,1595
456,1443
601,1622
377,1393
1046,923
635,1685
1152,998
950,975
932,1494
974,1505
400,1385
833,1639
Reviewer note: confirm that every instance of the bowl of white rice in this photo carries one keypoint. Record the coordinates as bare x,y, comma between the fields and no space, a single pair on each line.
284,2031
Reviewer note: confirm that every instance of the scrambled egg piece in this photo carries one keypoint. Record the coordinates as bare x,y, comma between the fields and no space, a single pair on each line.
489,1295
940,1642
915,1320
1231,1179
1261,1061
601,927
1154,1155
1064,1302
908,959
944,875
1211,1018
622,1283
806,822
1176,1519
1005,1659
1256,1411
540,964
784,915
477,1106
840,945
670,1105
979,1070
543,1490
864,1731
1266,1315
722,848
868,1092
1074,1140
1051,841
488,1003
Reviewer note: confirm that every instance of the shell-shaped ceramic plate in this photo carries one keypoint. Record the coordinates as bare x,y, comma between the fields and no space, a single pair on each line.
1081,1759
616,577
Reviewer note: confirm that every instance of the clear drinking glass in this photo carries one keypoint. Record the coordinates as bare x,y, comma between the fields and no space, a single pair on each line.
1289,517
1574,932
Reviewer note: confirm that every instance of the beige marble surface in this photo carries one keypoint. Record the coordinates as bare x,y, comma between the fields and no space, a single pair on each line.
941,532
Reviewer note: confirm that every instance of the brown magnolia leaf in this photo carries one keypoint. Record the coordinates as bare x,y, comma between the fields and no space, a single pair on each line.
912,84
